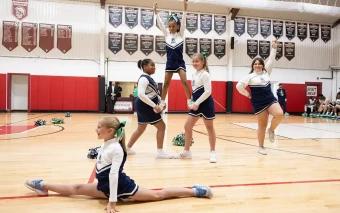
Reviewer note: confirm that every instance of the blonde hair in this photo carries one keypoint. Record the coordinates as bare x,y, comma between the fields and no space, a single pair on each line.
202,58
115,124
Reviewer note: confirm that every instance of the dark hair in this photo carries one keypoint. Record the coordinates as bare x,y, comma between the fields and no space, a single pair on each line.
202,57
261,62
142,63
174,17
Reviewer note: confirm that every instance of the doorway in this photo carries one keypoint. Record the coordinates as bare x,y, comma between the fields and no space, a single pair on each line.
18,97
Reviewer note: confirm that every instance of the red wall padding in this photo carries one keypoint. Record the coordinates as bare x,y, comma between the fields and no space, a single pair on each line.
296,97
3,83
177,101
64,93
295,102
240,102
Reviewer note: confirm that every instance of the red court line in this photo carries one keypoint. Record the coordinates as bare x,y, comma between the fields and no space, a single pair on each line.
214,186
93,175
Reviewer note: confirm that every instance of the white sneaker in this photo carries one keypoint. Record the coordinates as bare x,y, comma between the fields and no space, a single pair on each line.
163,155
183,155
271,135
262,151
286,114
213,158
129,151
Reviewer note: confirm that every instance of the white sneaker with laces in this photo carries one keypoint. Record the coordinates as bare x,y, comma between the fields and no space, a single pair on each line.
129,151
163,155
213,158
183,155
271,135
262,151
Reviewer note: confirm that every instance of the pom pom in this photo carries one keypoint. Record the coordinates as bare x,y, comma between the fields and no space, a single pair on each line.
179,140
39,122
93,153
57,121
68,114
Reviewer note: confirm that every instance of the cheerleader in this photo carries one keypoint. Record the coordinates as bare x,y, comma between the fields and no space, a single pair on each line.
311,105
261,97
336,109
147,108
203,106
113,184
174,52
323,106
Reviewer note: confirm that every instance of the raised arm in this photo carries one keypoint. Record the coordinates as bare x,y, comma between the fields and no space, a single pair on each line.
142,85
242,84
207,88
159,21
269,64
184,17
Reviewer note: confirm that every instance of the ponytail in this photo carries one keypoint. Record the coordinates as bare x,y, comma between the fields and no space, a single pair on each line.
142,63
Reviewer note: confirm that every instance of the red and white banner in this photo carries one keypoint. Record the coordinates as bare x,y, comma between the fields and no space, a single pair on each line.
10,34
20,9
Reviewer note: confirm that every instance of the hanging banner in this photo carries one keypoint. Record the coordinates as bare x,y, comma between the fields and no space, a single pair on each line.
160,45
302,31
64,38
326,33
146,18
115,15
192,22
279,50
289,50
277,29
29,36
191,46
10,34
205,46
219,24
252,26
219,48
131,43
163,15
264,50
314,32
46,37
206,23
239,25
131,17
252,48
265,27
115,42
146,44
19,8
290,30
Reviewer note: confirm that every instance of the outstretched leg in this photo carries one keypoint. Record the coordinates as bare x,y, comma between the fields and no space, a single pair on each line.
144,194
167,79
42,188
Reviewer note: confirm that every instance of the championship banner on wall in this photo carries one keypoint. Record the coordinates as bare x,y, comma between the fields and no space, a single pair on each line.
205,46
29,36
219,48
252,26
312,91
146,44
326,33
289,50
64,38
146,18
46,37
279,50
115,15
160,45
252,48
191,46
239,25
192,22
206,23
20,8
115,42
264,50
131,43
265,27
10,34
220,24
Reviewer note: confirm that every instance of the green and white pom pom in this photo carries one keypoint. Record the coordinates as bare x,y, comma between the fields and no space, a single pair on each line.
57,121
179,140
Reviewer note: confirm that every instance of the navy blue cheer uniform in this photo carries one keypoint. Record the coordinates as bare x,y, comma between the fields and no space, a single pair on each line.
148,98
112,181
201,95
260,87
174,46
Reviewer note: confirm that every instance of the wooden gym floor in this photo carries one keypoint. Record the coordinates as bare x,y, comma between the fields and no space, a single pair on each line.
299,174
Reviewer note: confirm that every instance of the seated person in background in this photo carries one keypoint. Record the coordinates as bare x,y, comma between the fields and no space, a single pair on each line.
336,109
323,106
310,107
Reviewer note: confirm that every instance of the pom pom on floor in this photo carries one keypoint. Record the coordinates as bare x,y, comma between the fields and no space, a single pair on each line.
179,140
39,122
57,121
